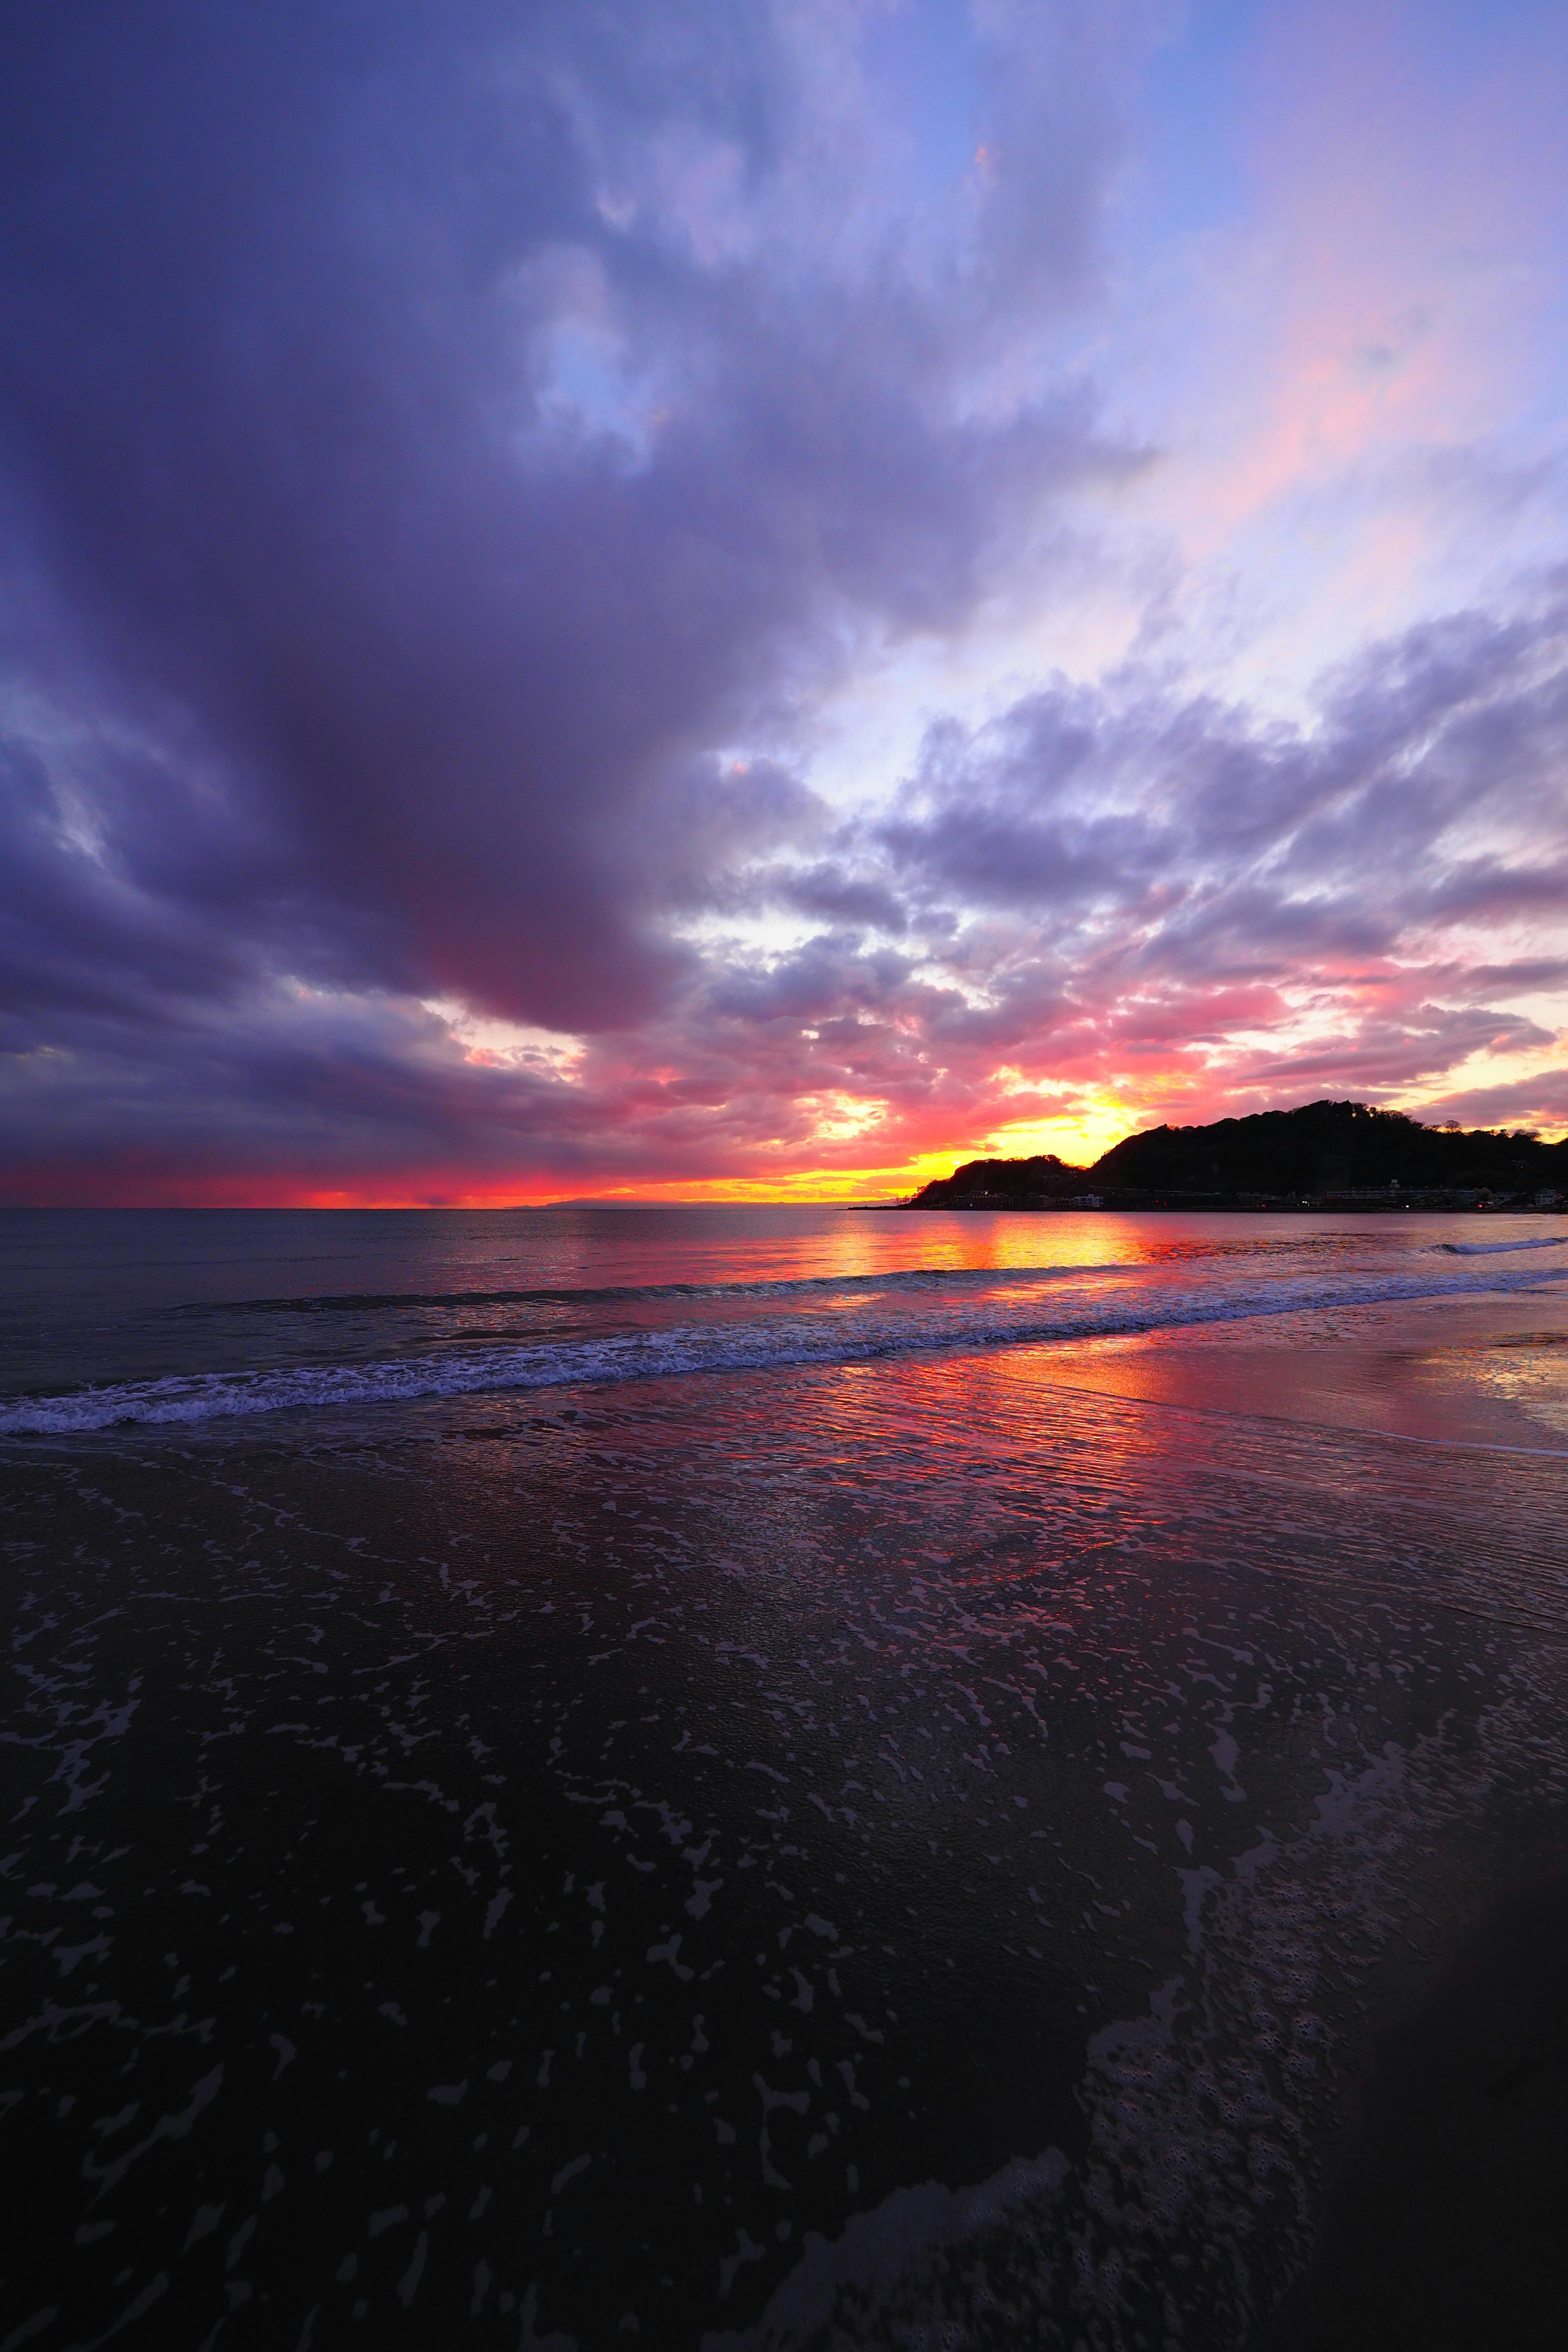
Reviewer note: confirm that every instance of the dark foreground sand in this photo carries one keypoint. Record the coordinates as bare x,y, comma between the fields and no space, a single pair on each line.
1444,2223
928,1853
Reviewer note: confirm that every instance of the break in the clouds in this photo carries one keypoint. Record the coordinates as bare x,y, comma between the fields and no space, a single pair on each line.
697,595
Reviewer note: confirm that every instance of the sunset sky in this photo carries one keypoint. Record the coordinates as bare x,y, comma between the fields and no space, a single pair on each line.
706,599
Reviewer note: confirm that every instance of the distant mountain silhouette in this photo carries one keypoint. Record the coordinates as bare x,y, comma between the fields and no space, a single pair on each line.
1322,1147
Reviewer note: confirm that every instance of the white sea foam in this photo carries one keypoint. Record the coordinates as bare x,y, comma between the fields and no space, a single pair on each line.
868,1331
880,2247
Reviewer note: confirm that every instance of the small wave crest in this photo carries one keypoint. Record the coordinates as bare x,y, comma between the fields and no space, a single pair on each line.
783,1287
759,1345
1501,1249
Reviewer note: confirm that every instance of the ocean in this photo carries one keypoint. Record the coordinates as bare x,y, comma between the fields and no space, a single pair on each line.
783,1779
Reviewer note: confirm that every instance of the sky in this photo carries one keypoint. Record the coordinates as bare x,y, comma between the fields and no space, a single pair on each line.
752,598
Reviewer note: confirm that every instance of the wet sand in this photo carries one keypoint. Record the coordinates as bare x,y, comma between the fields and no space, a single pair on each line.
819,1860
1490,1372
1444,2227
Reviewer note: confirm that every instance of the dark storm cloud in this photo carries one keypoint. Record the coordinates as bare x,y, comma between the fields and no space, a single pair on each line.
386,413
439,448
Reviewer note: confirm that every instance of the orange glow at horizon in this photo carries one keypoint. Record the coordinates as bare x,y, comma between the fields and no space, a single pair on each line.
1100,1117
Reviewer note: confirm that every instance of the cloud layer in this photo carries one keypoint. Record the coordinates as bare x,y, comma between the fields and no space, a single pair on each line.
450,463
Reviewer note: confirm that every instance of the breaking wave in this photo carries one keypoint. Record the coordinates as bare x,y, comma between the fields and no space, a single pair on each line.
954,1319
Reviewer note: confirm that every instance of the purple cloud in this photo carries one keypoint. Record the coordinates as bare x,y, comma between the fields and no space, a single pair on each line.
450,462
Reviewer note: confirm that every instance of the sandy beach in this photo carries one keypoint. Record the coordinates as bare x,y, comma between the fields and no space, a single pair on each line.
797,1858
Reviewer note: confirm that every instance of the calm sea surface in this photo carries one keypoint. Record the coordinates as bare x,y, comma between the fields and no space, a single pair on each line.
783,1779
